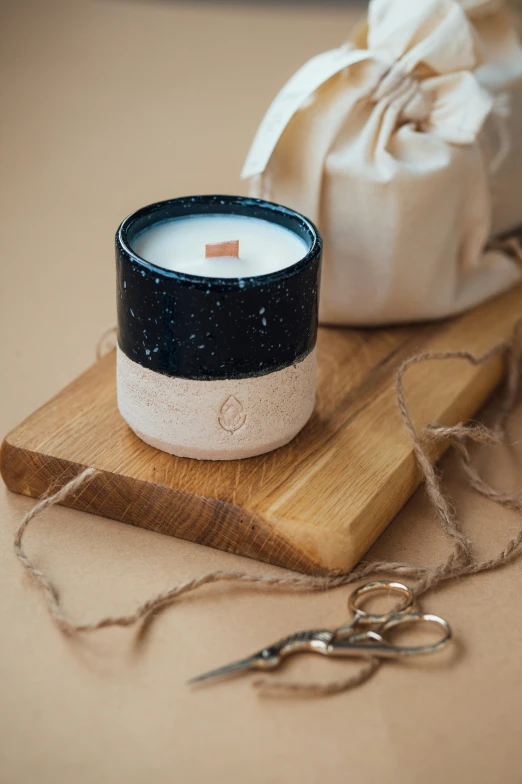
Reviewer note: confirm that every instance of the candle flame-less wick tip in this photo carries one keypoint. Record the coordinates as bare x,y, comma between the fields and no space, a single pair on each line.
217,249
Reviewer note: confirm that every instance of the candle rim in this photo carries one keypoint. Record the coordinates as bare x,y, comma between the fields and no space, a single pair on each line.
217,201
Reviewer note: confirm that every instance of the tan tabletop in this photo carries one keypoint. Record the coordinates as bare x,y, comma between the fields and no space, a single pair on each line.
106,106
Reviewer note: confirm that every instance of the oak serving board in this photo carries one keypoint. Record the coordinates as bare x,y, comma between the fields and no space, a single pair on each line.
314,506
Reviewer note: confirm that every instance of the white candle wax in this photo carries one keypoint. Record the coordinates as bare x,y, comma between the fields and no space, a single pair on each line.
179,245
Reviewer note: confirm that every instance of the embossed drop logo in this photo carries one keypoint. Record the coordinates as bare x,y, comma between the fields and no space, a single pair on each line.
232,415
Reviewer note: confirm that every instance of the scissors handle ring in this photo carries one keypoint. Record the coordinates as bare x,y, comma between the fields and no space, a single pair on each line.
380,586
413,618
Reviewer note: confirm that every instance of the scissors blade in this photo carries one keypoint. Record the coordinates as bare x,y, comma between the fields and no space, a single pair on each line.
222,672
313,640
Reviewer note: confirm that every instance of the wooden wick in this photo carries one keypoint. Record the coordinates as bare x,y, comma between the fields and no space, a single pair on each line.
230,248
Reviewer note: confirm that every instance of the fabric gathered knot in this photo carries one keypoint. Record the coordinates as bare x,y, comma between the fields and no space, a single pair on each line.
422,62
406,93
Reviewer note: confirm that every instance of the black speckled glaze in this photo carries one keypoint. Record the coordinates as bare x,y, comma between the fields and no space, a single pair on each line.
210,328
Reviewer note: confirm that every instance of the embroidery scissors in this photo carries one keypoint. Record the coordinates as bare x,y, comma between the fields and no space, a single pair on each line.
350,639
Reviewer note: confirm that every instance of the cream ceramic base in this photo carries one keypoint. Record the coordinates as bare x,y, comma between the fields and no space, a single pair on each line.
216,420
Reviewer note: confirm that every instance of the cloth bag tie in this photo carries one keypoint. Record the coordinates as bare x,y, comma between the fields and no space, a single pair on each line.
394,148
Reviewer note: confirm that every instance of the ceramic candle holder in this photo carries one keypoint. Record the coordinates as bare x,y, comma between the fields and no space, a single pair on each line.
216,368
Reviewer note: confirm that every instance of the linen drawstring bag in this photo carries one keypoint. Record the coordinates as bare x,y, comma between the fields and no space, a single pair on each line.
501,75
397,147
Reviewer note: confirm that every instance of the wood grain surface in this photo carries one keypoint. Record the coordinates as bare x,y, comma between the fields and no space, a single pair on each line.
314,506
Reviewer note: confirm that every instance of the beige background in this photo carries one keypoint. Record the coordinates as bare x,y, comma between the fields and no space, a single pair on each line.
105,106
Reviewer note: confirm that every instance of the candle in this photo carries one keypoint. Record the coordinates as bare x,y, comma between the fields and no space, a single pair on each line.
216,353
179,245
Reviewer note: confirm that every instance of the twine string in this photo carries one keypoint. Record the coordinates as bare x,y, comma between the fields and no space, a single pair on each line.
460,561
280,688
107,341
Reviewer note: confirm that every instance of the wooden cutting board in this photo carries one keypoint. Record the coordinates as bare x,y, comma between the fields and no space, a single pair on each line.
314,506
